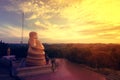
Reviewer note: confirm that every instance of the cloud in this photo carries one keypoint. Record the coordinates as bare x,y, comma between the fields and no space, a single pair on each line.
9,31
92,10
32,17
73,20
40,25
101,31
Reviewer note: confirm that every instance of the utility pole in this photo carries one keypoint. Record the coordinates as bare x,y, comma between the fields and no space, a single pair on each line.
22,28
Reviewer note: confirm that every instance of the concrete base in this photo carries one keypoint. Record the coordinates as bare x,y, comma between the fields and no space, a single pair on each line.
35,70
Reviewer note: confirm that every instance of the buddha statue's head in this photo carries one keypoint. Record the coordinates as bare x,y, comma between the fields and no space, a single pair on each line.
33,35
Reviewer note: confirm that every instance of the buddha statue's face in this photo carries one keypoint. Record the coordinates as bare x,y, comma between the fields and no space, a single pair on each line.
33,35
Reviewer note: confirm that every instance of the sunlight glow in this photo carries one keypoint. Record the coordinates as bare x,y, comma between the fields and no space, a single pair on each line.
84,21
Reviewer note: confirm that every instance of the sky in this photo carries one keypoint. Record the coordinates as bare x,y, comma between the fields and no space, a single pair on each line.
61,21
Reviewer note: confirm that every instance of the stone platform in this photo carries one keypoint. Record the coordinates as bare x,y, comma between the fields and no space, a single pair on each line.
34,70
17,68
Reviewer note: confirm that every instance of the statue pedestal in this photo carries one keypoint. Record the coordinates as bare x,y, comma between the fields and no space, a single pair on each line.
34,70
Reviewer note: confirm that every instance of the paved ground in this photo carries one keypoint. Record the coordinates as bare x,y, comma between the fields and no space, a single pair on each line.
68,71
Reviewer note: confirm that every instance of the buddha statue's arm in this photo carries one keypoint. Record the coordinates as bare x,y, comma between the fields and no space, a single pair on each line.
31,43
40,45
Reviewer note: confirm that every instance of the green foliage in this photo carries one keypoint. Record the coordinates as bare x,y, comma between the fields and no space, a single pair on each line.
53,51
3,48
19,50
94,55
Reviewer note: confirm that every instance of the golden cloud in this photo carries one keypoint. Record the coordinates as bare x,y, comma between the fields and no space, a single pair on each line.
74,20
12,31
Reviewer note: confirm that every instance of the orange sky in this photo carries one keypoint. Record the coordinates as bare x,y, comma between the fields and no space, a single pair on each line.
70,21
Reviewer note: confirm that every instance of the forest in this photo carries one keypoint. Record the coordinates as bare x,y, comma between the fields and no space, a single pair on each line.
94,55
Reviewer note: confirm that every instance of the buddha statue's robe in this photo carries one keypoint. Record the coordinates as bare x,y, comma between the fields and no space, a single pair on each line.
36,54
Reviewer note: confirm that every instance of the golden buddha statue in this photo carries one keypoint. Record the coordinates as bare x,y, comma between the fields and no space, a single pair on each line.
36,54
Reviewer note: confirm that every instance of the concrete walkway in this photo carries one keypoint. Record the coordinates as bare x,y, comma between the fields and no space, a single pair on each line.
68,71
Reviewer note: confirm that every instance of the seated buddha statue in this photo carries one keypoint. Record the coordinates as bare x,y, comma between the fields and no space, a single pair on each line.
36,54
